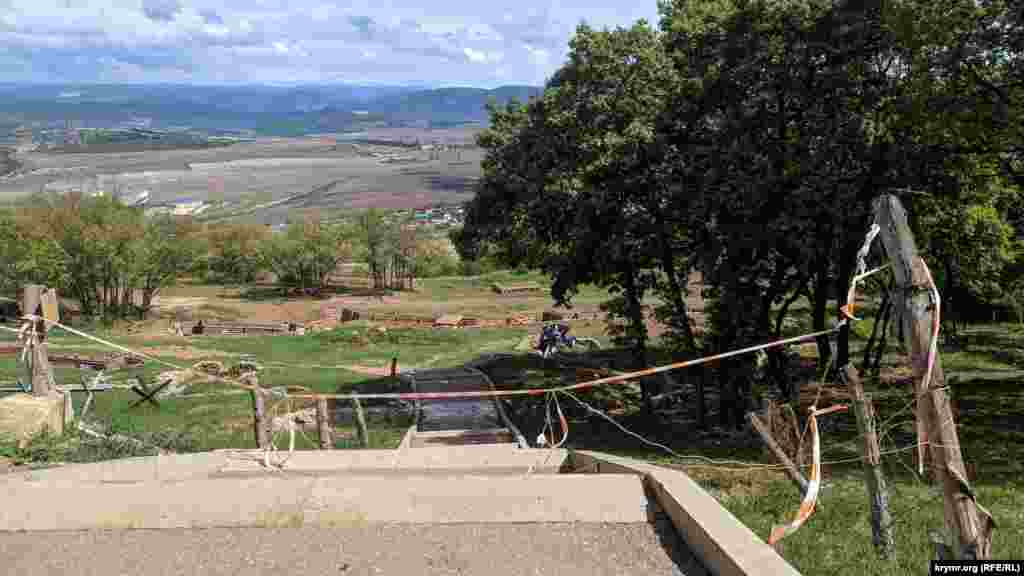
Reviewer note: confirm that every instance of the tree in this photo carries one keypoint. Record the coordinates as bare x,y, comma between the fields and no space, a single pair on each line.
435,257
380,243
167,247
307,252
749,138
108,256
233,252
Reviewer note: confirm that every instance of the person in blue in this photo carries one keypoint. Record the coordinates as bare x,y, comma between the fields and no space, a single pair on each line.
555,334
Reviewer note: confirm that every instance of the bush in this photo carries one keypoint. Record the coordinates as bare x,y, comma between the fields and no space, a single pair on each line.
479,267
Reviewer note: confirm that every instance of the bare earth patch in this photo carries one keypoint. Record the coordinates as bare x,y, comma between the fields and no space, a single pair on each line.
372,370
362,300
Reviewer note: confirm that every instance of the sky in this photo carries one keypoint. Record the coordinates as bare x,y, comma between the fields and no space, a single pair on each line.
402,42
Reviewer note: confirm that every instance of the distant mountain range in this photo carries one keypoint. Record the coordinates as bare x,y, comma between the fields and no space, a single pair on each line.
261,110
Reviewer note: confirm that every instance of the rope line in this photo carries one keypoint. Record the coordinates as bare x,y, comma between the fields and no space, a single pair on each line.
408,396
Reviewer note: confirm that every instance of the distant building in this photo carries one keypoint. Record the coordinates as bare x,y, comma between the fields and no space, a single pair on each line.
24,138
186,206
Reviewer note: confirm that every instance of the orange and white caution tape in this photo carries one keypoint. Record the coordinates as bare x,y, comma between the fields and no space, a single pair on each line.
813,483
922,431
851,295
410,396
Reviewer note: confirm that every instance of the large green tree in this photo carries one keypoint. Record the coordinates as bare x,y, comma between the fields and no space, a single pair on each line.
307,252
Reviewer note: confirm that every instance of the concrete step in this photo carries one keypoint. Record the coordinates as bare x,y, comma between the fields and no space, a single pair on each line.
448,460
493,436
168,468
327,502
480,460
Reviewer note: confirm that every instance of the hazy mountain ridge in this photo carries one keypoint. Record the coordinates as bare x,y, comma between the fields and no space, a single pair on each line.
261,109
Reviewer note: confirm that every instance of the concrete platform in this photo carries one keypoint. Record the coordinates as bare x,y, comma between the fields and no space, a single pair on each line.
349,501
399,550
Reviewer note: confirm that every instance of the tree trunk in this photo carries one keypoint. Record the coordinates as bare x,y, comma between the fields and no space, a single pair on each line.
702,422
883,343
726,399
677,297
776,356
843,338
637,331
820,310
883,312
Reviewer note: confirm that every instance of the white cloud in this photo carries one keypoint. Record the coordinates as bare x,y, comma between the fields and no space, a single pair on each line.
161,10
460,42
321,13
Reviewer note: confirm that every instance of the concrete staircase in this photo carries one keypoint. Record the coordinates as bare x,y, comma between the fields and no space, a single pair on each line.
466,484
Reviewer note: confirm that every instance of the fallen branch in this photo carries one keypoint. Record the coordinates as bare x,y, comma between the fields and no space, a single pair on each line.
787,465
119,438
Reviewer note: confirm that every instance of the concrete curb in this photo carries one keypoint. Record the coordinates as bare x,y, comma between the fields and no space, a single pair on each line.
725,545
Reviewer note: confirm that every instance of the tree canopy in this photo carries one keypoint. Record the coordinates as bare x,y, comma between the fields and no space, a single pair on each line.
748,139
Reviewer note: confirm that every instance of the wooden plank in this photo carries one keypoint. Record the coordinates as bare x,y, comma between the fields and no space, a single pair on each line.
51,310
970,525
449,320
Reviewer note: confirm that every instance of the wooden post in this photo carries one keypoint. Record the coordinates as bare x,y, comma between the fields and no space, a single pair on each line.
39,367
787,465
69,409
878,493
364,438
323,422
969,524
258,415
394,367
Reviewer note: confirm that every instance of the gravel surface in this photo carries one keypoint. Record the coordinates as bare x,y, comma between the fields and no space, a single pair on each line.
491,550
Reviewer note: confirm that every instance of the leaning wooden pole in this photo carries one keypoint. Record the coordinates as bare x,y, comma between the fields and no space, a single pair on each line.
878,493
969,525
787,465
361,433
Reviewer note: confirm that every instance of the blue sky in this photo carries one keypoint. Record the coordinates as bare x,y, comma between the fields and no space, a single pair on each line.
427,42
